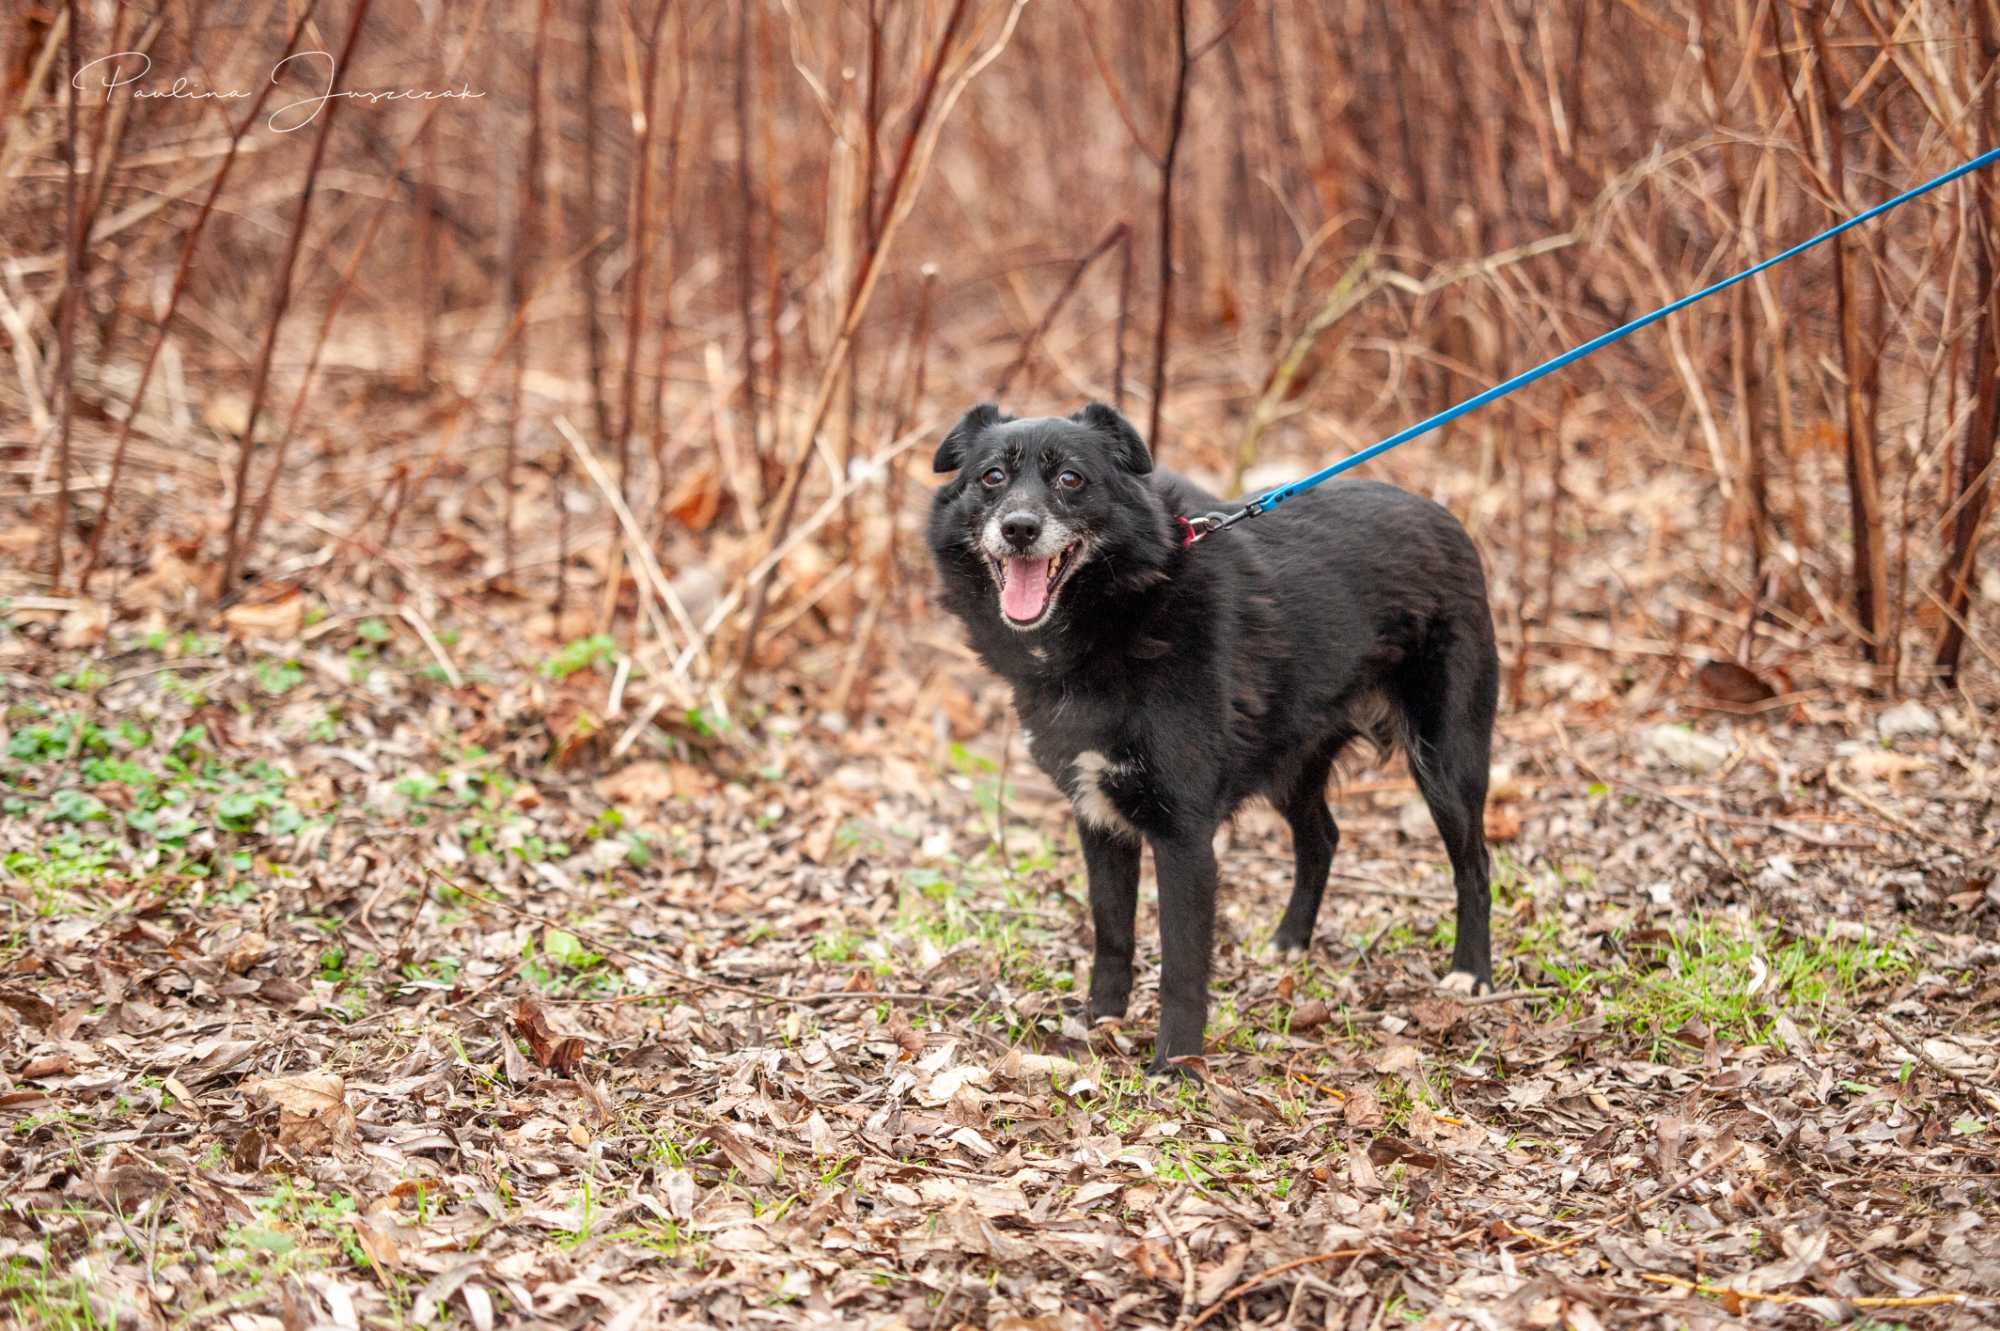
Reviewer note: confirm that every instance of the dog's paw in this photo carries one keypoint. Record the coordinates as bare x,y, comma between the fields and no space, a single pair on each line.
1290,948
1187,1067
1464,984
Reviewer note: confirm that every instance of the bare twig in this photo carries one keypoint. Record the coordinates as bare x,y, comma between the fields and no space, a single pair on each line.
1117,234
1265,1277
1858,1300
593,325
281,299
71,298
923,131
1176,121
640,238
640,549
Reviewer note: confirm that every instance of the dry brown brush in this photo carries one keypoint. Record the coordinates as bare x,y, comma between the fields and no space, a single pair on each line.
756,250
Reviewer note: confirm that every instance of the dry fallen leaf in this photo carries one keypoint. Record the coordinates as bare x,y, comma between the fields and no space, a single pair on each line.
560,1054
38,1010
1215,1279
907,1039
1153,1261
1310,1015
638,786
283,618
755,1164
245,951
84,626
1728,682
973,1233
1886,764
576,731
377,1235
312,1109
952,1081
1361,1110
696,499
1437,1015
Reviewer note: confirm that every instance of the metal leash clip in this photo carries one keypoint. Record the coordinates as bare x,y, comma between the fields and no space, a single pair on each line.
1206,524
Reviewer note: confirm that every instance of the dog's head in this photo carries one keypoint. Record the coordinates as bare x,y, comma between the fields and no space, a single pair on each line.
1035,502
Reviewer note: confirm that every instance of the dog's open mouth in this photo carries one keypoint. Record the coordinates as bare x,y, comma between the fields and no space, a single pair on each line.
1028,586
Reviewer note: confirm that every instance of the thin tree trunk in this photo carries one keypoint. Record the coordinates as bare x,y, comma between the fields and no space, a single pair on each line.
746,237
593,328
281,300
1176,119
1972,481
1864,492
640,241
72,297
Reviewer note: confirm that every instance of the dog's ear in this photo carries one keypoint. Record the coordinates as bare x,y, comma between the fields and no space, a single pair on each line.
1127,448
950,454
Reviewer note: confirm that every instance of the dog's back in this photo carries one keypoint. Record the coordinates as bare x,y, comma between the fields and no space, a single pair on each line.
1345,605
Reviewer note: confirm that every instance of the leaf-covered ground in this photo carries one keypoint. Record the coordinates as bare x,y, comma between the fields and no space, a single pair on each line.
339,993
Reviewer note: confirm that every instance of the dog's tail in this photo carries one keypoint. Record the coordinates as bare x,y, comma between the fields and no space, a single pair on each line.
1381,724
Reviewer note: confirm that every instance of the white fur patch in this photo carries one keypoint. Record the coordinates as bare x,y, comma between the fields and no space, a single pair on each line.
1087,795
990,539
1057,536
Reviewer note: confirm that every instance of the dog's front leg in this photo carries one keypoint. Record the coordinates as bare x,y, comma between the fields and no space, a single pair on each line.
1186,865
1112,862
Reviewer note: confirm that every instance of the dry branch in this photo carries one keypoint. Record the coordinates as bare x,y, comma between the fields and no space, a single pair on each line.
1176,123
918,144
281,299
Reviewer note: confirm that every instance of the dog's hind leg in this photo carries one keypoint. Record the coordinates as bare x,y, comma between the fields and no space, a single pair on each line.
1111,860
1315,837
1450,713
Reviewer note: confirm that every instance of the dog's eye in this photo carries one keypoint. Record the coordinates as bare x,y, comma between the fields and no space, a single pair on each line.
994,478
1069,480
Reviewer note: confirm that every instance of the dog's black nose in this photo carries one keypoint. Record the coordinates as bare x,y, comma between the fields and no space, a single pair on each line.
1020,529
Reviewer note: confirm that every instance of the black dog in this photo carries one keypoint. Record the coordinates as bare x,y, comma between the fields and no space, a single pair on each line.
1161,684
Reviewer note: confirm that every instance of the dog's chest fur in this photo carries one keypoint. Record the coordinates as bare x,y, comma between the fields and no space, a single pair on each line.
1131,740
1104,765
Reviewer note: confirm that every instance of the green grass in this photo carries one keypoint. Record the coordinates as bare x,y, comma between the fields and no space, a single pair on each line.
276,676
1736,977
33,1295
582,654
837,947
665,1237
559,962
295,1228
1130,1100
1428,1085
1226,1165
1011,932
61,771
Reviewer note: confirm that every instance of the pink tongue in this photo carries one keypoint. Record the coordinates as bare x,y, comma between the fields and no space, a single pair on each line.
1027,589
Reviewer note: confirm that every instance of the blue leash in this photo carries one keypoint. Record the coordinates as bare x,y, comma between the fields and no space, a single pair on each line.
1210,523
